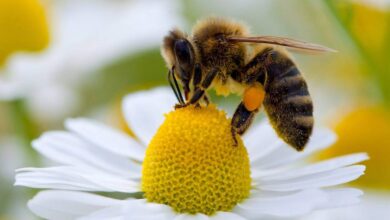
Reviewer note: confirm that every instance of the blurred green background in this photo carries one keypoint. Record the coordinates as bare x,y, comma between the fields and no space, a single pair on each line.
69,58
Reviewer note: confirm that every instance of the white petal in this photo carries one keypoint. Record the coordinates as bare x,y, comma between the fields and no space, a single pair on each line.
374,205
257,175
281,206
315,180
111,213
260,140
106,137
144,111
133,209
226,216
59,205
342,197
192,217
319,167
141,209
285,155
70,178
217,216
69,149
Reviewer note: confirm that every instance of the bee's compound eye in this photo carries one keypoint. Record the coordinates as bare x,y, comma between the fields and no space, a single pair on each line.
185,58
183,51
253,97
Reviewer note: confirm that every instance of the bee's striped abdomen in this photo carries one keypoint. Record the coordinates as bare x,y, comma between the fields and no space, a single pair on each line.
287,100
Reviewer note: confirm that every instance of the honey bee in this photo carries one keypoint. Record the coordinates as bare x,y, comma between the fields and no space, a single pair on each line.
221,54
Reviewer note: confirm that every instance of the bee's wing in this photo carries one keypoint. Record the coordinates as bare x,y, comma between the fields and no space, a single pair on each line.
296,45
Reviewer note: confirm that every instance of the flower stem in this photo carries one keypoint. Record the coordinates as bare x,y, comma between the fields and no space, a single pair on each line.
24,128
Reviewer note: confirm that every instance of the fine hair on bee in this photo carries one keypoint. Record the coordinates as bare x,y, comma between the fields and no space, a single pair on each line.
221,54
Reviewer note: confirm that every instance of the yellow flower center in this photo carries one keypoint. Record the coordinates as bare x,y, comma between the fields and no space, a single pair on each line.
366,129
192,164
23,27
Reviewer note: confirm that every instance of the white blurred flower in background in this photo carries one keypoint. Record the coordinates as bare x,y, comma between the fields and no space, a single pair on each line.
11,199
85,36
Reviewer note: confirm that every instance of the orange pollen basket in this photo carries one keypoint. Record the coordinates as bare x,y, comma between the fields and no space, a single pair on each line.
254,97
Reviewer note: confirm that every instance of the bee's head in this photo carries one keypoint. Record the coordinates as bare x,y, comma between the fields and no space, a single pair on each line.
178,52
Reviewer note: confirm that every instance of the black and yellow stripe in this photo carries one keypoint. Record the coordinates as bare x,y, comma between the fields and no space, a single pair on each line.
287,101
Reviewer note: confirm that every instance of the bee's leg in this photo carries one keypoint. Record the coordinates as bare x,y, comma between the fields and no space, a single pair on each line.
241,120
197,76
254,74
255,70
206,98
253,98
186,90
185,81
197,80
200,90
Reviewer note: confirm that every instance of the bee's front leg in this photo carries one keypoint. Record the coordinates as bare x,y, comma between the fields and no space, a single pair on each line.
206,98
200,90
197,82
197,79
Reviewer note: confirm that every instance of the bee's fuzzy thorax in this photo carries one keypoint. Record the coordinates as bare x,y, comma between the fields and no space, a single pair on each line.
215,50
205,28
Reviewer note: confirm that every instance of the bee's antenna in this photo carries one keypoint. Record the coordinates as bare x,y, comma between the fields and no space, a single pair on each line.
175,86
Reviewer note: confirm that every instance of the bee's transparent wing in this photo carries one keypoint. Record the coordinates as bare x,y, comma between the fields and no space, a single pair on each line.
296,45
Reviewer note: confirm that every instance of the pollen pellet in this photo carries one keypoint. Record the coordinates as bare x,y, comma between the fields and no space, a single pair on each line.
192,165
253,97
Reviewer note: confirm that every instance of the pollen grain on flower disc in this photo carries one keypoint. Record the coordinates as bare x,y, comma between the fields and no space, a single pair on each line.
192,164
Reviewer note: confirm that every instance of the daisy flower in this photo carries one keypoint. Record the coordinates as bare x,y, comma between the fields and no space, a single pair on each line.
182,166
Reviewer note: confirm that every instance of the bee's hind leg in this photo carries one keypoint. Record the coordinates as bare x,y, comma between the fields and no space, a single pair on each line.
241,121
